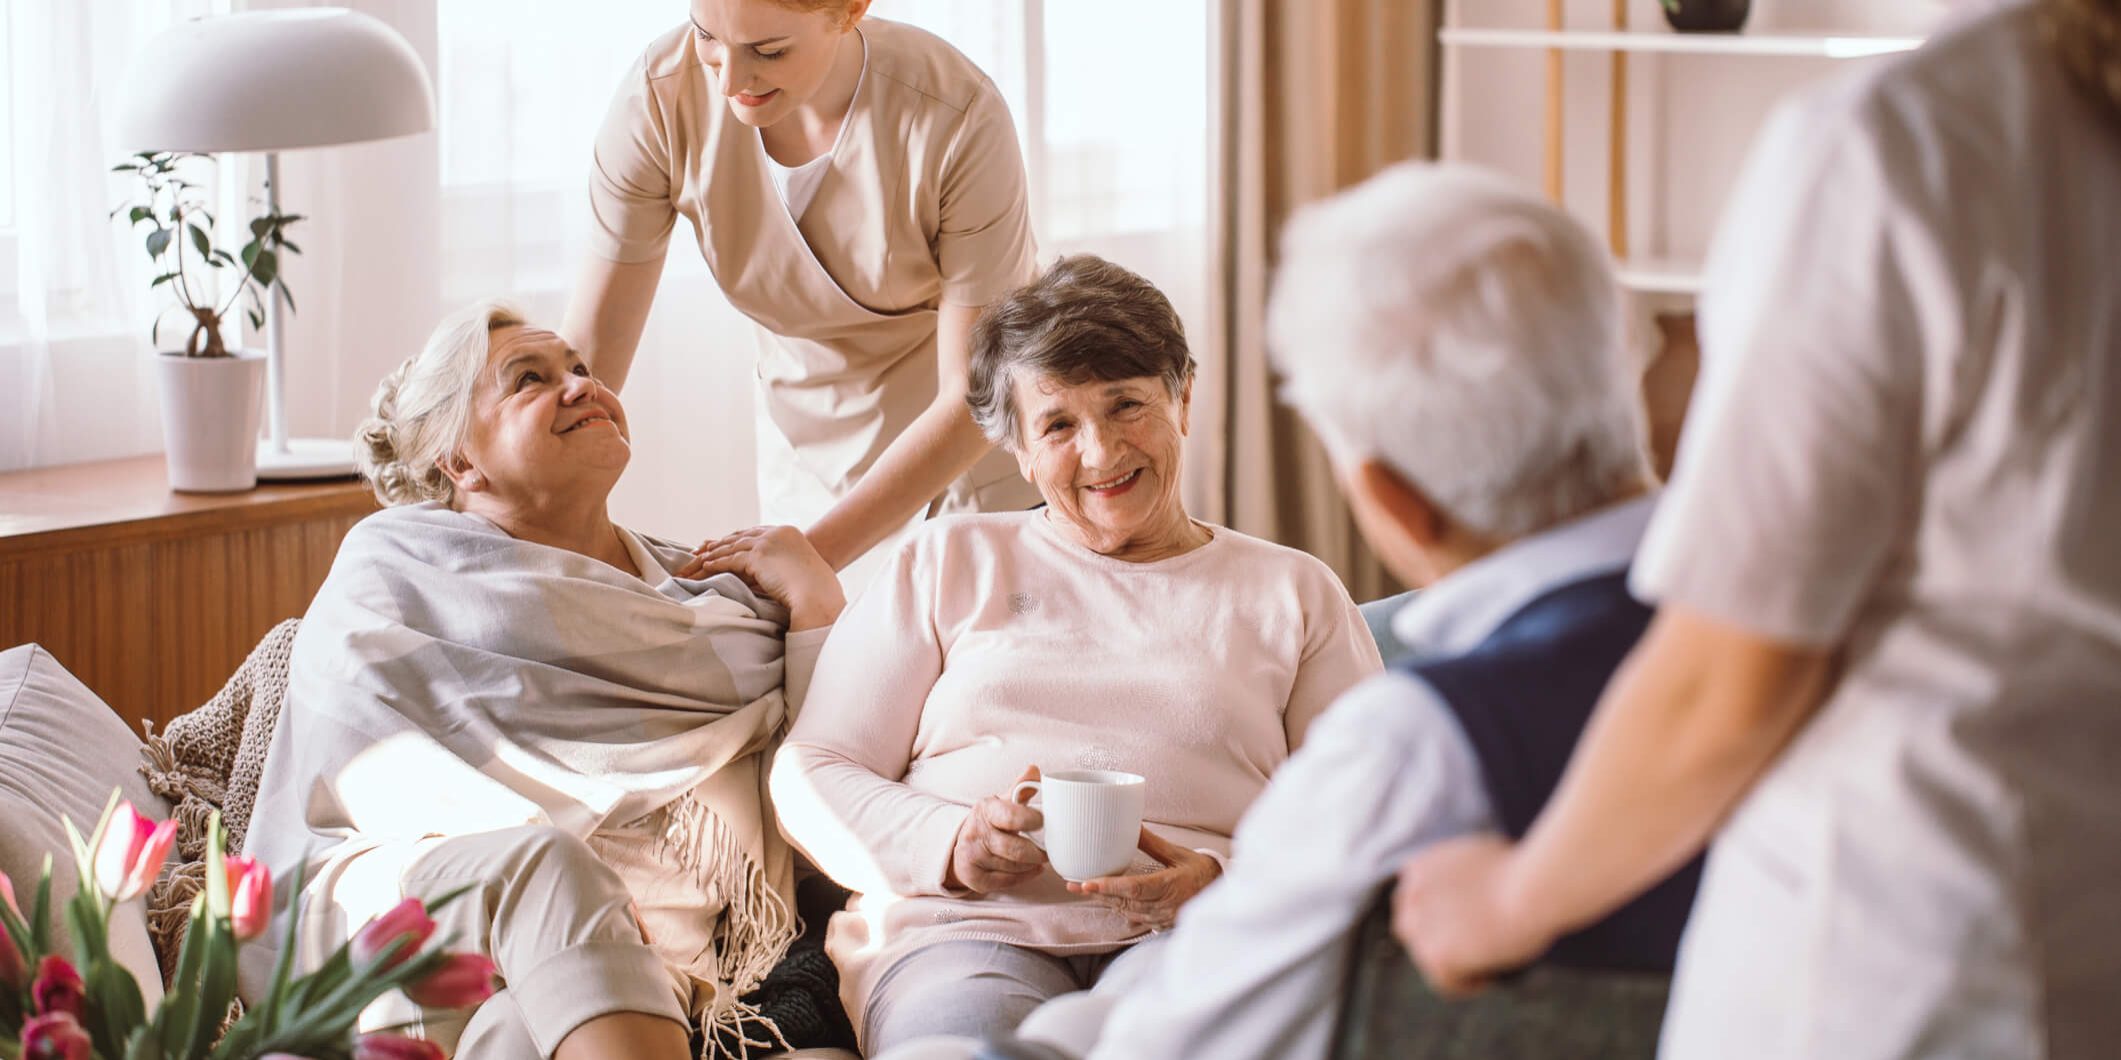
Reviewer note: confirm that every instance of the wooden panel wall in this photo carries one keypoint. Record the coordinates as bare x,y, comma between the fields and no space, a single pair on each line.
156,627
156,613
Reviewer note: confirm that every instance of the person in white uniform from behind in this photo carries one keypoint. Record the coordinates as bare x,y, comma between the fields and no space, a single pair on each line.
1886,669
1458,343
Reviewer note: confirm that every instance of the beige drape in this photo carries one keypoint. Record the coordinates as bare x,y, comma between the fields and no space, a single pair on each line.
1318,95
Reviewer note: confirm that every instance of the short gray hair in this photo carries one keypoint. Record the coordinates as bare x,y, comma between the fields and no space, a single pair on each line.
423,410
1085,319
1467,334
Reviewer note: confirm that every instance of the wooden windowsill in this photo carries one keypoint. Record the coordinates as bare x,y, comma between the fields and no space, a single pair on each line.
115,501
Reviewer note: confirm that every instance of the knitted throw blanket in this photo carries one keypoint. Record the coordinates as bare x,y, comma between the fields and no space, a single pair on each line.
206,761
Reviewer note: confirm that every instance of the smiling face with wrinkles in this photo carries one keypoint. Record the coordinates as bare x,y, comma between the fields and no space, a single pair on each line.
543,432
1105,456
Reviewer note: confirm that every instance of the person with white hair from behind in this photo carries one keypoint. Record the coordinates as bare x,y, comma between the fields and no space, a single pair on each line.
1457,342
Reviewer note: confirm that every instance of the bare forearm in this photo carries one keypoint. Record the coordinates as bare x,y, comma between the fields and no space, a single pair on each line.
932,452
607,313
1684,731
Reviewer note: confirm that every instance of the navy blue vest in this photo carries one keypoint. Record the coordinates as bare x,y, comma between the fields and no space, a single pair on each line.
1522,698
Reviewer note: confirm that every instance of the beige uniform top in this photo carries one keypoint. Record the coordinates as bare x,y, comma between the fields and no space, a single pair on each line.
1906,444
923,203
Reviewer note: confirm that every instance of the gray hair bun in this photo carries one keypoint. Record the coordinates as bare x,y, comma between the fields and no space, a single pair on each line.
377,456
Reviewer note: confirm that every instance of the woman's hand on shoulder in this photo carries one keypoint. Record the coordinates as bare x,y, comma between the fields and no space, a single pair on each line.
990,853
1151,900
779,562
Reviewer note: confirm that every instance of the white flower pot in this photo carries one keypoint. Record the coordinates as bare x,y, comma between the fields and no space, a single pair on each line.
210,410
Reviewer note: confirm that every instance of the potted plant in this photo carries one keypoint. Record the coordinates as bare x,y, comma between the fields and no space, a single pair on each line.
211,395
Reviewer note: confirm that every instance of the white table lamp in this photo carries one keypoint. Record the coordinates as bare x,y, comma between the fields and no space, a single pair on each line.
272,81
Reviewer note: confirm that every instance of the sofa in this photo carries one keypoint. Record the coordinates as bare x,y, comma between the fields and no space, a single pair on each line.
63,751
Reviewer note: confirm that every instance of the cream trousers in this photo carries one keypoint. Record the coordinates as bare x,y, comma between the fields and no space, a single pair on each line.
554,918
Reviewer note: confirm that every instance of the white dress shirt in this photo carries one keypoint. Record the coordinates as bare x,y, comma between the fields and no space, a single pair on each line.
1254,967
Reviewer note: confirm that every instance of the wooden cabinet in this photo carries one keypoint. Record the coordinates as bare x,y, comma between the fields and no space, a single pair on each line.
153,598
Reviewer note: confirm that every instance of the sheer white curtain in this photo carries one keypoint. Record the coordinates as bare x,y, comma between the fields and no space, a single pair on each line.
76,377
76,361
1115,128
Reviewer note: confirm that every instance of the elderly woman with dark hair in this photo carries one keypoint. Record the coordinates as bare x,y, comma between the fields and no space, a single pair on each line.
1106,630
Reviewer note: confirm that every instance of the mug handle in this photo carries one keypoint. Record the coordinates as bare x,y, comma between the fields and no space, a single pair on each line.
1038,792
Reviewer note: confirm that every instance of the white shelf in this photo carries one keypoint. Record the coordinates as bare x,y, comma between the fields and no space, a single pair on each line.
1829,46
1659,276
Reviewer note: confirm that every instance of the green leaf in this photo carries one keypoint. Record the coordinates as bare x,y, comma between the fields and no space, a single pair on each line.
267,268
286,295
143,1045
217,983
157,242
449,896
141,213
324,980
84,920
115,1007
291,247
162,279
177,1022
257,319
284,964
199,241
40,910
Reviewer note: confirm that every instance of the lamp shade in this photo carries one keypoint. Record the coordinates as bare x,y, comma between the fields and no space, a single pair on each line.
274,80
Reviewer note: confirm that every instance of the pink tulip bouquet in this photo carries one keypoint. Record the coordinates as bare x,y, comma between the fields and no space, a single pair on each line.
90,1008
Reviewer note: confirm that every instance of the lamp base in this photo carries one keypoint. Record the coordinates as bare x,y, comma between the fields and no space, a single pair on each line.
306,458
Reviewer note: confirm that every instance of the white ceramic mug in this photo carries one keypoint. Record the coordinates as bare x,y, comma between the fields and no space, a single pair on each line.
1093,819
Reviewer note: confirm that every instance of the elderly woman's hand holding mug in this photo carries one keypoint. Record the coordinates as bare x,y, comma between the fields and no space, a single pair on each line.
1151,900
991,853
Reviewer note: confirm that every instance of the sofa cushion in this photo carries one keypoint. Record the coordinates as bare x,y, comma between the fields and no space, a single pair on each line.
62,751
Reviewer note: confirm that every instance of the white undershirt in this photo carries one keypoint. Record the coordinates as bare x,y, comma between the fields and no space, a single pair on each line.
798,184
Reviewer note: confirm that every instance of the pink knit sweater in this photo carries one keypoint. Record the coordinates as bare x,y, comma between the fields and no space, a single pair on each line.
989,643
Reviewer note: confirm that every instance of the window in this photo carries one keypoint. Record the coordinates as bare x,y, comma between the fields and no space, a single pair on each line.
1120,152
8,155
521,89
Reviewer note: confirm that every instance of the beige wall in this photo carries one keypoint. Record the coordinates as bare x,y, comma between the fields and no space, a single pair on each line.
1690,117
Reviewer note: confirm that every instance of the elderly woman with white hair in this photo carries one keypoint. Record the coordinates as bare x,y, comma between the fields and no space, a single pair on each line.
499,687
1108,629
1457,342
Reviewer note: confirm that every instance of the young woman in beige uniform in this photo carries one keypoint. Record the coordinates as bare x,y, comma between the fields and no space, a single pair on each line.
857,190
